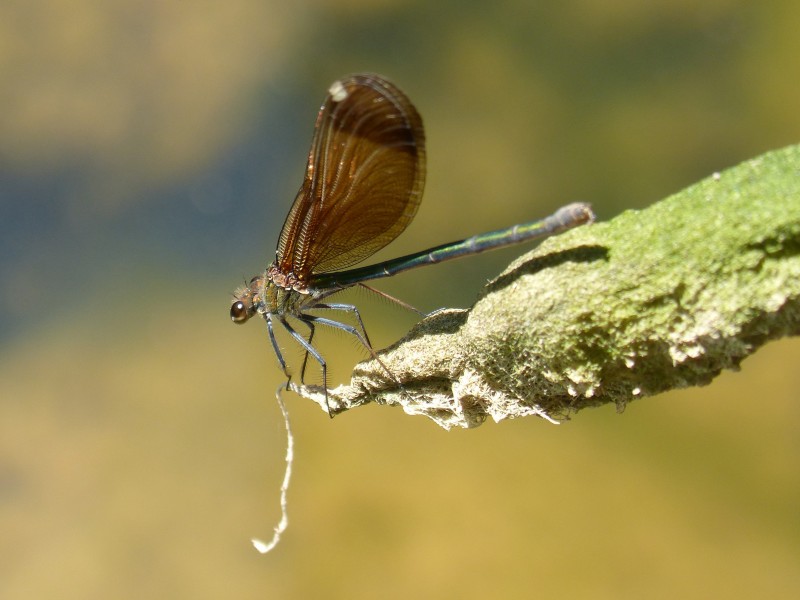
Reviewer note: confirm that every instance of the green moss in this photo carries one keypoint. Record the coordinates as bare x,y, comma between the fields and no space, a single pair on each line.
652,300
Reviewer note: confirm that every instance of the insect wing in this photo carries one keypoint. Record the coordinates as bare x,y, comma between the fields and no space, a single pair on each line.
363,182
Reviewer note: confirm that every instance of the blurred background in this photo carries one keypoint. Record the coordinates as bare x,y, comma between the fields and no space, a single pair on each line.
149,152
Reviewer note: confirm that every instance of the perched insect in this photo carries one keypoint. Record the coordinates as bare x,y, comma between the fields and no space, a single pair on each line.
362,187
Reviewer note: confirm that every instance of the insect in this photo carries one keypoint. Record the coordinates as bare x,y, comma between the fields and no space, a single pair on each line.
362,187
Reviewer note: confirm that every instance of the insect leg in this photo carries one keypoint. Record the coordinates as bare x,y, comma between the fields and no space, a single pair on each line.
348,308
305,355
313,352
357,334
275,346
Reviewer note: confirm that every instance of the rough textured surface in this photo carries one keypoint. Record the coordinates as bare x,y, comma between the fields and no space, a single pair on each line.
656,299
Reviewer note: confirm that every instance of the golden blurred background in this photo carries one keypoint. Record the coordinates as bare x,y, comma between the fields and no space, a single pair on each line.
149,151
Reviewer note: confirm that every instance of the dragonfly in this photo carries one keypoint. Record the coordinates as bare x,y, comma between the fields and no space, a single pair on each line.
363,185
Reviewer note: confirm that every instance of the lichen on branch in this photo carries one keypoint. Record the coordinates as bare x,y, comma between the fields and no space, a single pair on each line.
652,300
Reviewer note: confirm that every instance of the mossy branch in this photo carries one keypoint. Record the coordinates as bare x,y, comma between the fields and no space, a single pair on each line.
650,301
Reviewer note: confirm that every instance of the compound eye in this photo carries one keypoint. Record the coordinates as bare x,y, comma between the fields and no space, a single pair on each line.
239,312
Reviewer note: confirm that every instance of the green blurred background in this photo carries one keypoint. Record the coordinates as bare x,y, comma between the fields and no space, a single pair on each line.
149,151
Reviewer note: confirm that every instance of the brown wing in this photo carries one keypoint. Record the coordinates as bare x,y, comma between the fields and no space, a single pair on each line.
364,178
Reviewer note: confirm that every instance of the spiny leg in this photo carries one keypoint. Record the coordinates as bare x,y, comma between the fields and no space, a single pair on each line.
275,346
311,329
357,334
313,352
277,350
347,308
391,298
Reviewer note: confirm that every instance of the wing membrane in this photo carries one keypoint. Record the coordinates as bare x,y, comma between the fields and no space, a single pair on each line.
363,182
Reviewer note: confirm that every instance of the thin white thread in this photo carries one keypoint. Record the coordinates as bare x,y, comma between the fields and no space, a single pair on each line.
264,547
